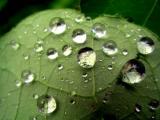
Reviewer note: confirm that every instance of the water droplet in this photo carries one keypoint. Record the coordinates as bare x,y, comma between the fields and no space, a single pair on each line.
73,93
18,83
46,104
27,76
86,57
72,101
79,19
99,30
15,45
67,50
110,67
35,96
110,48
88,18
145,45
125,52
154,104
57,25
26,57
133,72
52,53
138,108
60,67
84,75
79,36
34,118
38,48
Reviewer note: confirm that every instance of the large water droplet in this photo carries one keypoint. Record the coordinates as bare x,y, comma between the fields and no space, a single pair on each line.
15,45
46,104
110,48
99,30
57,25
67,50
145,45
52,53
27,76
154,104
86,57
79,36
133,72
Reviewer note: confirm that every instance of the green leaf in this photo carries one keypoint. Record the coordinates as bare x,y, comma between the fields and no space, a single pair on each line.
97,95
142,12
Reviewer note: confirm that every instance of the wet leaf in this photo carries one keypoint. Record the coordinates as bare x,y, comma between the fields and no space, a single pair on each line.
39,81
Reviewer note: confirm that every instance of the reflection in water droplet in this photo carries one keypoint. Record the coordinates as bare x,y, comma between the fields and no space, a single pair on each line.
27,76
154,104
67,50
57,25
15,45
110,48
18,83
133,72
52,53
60,67
46,104
125,52
86,57
79,36
110,67
145,45
99,30
138,108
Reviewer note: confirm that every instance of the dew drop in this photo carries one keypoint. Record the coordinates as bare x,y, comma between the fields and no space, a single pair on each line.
110,67
79,19
46,104
110,48
60,67
98,30
125,52
133,72
138,108
72,101
154,104
18,83
27,76
79,36
38,48
57,25
15,45
86,57
145,45
67,50
52,53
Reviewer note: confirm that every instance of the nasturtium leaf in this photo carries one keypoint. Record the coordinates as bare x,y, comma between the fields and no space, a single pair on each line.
142,12
46,75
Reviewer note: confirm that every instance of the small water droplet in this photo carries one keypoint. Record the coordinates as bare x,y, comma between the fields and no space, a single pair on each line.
88,18
110,67
38,48
52,53
79,19
18,83
35,96
46,104
57,25
72,101
84,75
145,45
73,93
86,57
79,36
27,76
154,104
60,67
128,35
26,57
15,45
138,108
34,118
99,30
133,72
110,48
125,52
67,50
